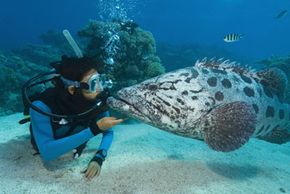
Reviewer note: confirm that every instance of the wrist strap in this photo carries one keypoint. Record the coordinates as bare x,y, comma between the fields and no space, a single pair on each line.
95,128
98,160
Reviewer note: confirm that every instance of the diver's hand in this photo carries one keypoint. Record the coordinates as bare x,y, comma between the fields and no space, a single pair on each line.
108,122
94,168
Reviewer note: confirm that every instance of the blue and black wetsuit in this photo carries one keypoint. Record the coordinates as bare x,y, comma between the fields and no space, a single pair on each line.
53,140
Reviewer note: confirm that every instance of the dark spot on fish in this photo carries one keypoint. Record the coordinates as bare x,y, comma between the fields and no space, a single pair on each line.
256,108
212,81
226,83
219,71
207,104
180,101
270,112
166,103
264,83
178,123
194,98
194,73
268,92
249,92
184,74
176,109
219,96
172,117
187,80
276,127
236,79
267,128
259,91
256,80
246,79
196,91
204,71
281,114
185,93
260,130
172,87
184,116
152,87
176,81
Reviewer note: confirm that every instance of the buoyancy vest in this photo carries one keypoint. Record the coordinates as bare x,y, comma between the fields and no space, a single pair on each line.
50,97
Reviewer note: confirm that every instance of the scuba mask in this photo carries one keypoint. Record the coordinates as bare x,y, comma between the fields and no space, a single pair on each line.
96,83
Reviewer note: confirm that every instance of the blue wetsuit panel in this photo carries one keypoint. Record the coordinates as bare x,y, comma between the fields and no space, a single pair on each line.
51,148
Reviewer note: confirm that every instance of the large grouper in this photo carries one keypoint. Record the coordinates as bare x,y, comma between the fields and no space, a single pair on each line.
218,101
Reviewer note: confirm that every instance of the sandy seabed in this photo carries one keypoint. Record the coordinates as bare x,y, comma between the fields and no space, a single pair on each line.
144,160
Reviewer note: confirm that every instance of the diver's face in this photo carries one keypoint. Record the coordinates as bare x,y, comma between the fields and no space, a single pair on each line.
87,94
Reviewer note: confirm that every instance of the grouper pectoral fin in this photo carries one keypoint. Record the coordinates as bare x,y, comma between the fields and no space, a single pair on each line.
229,126
277,136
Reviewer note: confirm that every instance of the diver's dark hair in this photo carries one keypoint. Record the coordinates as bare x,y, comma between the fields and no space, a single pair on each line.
74,68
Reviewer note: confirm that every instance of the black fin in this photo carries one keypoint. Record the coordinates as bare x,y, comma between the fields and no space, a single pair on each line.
229,126
278,136
275,80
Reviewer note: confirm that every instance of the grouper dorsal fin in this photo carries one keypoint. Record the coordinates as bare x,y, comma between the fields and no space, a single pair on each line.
274,80
224,65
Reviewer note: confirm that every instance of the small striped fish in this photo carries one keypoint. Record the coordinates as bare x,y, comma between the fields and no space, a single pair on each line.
233,37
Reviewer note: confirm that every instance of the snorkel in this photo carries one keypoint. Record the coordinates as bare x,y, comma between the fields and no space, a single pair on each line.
104,83
72,43
54,74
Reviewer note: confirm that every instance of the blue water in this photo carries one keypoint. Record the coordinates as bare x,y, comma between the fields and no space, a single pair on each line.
188,21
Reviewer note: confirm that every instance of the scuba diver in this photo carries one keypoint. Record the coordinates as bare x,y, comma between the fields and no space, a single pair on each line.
67,115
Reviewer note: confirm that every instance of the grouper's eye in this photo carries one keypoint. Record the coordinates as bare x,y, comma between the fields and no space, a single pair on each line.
152,87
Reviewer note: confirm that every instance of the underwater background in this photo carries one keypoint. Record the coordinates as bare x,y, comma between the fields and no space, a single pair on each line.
142,39
177,35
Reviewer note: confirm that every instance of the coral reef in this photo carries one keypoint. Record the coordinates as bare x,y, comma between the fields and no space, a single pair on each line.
38,54
131,49
14,71
54,45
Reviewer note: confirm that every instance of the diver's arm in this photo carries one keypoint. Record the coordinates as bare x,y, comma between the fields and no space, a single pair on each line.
107,136
49,147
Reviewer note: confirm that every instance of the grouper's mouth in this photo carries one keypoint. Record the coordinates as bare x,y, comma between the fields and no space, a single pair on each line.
124,106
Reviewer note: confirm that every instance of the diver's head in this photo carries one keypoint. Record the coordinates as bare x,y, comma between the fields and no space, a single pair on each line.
91,86
80,75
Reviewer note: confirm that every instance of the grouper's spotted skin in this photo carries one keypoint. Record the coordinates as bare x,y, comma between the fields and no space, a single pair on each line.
216,101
